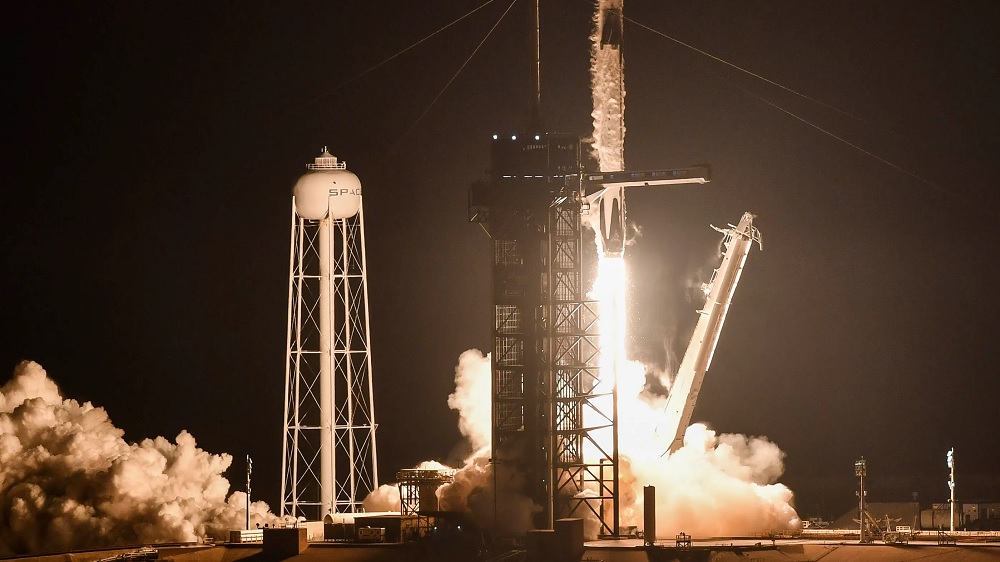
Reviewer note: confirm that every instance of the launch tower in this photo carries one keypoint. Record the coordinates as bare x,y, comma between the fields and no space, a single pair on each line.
329,455
553,409
545,330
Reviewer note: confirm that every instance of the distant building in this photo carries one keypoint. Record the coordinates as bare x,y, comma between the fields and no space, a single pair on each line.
981,515
976,515
939,517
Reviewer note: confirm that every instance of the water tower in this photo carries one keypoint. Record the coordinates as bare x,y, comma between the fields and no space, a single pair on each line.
329,456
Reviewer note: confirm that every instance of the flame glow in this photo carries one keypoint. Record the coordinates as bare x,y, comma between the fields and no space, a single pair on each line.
715,484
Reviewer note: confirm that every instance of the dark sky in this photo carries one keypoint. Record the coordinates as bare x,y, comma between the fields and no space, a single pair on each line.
153,147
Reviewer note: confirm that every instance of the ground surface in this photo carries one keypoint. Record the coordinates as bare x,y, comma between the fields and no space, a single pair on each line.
742,550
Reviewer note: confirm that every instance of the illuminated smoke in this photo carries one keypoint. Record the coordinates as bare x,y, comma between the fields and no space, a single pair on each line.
383,498
472,492
472,383
722,485
68,480
714,485
608,92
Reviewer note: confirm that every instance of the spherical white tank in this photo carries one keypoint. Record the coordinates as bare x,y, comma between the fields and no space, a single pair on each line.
327,190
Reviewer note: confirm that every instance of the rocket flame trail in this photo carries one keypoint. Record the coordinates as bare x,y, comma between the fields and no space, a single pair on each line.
713,485
608,94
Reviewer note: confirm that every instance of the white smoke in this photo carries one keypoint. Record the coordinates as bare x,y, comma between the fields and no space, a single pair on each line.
472,382
716,486
608,92
383,498
68,480
508,513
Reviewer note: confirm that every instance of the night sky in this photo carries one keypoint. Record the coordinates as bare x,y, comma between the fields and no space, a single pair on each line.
153,147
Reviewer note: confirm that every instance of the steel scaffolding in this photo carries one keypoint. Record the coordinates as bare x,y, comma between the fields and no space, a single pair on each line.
546,350
584,470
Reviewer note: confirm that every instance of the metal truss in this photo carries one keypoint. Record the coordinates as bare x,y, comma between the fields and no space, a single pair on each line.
418,488
584,471
329,461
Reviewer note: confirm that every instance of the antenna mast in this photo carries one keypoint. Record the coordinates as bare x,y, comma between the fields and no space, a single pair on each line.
536,104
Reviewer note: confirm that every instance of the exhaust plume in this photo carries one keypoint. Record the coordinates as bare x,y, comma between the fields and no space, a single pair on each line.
716,485
472,383
608,86
508,513
69,481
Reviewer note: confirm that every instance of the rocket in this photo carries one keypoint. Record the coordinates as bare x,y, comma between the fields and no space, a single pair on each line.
611,23
612,220
610,133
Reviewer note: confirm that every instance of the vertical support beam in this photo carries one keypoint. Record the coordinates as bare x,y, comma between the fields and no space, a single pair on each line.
649,515
536,109
285,485
861,470
584,463
327,448
951,485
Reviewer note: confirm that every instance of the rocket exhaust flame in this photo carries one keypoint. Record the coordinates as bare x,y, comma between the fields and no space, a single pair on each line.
712,485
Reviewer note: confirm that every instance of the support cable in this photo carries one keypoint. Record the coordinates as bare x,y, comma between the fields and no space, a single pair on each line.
772,82
913,175
452,79
393,57
896,167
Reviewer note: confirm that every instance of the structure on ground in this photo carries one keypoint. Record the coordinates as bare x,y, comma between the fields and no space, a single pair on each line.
329,454
698,356
553,407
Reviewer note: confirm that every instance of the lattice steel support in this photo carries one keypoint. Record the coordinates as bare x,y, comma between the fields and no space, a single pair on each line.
329,461
585,456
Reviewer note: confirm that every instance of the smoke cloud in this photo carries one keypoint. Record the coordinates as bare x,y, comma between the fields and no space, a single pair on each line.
715,485
473,492
608,93
68,479
472,383
383,498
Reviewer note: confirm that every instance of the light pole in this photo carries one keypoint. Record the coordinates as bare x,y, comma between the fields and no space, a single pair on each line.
249,470
951,484
860,469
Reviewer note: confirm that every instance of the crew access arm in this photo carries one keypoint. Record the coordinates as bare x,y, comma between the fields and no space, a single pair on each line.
687,384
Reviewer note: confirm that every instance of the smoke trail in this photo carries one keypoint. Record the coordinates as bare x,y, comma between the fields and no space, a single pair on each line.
608,86
713,485
68,480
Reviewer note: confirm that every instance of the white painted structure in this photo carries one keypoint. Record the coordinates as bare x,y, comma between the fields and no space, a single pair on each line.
329,461
698,357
